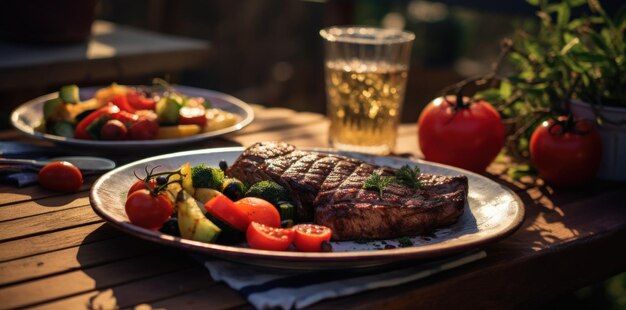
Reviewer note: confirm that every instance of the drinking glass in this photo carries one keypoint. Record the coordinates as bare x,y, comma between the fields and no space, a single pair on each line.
366,70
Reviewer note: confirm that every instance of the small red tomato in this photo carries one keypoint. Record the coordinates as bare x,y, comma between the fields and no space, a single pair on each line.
143,129
60,176
113,130
564,156
264,237
141,184
226,211
260,211
309,237
469,135
193,116
147,210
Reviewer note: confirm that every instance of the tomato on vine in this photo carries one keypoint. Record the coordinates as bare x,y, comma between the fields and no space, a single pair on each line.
148,209
468,135
566,152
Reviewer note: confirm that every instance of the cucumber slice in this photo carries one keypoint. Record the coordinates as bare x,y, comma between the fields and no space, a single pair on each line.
192,223
69,94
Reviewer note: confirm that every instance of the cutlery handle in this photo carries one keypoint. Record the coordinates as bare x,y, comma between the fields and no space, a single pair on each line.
15,161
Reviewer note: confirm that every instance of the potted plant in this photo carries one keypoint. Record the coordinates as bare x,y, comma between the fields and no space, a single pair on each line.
567,66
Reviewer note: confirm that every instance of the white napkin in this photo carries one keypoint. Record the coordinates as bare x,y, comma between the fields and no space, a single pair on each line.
286,289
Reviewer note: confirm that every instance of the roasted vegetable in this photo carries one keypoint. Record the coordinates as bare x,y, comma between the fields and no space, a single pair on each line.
276,195
208,177
233,189
205,194
179,131
191,220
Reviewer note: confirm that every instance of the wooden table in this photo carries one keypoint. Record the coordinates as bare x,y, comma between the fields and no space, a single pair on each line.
56,253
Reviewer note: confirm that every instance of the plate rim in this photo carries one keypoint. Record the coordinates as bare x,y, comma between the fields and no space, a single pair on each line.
29,131
225,251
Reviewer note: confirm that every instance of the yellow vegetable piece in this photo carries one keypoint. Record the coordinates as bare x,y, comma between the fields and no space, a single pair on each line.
185,171
219,119
104,94
91,104
205,194
173,132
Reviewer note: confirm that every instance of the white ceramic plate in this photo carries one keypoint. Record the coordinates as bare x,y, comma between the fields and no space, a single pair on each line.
26,117
492,212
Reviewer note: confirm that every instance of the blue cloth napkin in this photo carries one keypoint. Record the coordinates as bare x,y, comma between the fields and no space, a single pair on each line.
287,289
23,175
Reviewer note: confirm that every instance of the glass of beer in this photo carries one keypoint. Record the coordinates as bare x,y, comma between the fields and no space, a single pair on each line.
366,72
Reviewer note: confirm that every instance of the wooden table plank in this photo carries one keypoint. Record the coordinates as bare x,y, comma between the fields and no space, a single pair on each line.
81,281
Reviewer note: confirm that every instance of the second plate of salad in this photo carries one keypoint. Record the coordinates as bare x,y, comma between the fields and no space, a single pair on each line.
131,116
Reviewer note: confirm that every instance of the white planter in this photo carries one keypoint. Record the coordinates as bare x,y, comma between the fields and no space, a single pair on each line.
613,165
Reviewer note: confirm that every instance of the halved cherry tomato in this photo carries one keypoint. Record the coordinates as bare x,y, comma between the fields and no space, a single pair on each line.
260,211
264,237
122,103
226,211
113,130
143,129
147,210
193,116
60,176
309,237
141,184
139,102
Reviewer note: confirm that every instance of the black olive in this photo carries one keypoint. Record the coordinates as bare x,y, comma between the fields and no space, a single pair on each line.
326,246
233,189
171,227
223,165
161,180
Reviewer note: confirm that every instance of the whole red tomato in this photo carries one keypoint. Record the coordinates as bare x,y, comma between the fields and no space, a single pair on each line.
60,176
143,129
469,136
566,154
147,210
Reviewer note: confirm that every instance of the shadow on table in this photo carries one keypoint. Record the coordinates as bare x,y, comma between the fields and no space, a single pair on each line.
128,271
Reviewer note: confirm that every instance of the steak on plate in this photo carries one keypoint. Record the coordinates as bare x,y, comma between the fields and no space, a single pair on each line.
328,190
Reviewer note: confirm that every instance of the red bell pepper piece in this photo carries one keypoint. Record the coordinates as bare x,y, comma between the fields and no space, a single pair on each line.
139,102
122,103
81,129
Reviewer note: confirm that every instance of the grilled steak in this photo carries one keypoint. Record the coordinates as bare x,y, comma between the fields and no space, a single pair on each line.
328,189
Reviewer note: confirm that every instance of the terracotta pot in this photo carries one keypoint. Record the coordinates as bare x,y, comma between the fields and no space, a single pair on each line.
613,165
46,21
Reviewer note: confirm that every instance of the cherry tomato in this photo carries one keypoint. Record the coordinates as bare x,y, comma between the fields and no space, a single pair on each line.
147,210
60,176
121,102
143,129
139,102
141,185
193,116
226,211
113,130
264,237
566,157
260,211
309,237
468,136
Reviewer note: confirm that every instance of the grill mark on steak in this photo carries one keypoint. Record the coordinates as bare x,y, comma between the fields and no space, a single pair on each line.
328,189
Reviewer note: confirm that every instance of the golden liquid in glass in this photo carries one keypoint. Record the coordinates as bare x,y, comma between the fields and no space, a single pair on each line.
365,101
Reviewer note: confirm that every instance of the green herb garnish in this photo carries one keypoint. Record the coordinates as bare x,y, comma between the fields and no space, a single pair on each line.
377,182
405,242
409,176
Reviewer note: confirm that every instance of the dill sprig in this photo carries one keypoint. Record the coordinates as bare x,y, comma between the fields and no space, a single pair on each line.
377,182
409,176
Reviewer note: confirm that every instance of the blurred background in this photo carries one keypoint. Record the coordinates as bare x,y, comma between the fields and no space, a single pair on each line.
262,51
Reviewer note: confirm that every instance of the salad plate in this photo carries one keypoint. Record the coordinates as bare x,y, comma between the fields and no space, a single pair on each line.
27,117
491,213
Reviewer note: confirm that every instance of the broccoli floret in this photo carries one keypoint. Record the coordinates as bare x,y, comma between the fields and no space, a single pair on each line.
207,177
270,191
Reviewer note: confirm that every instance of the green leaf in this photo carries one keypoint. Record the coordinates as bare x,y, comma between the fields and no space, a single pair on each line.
620,18
588,57
377,182
409,176
575,3
563,15
534,2
505,89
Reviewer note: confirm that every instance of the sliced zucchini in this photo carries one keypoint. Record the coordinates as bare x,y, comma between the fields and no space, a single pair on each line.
192,223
